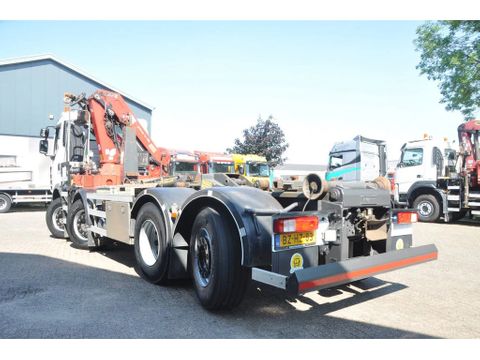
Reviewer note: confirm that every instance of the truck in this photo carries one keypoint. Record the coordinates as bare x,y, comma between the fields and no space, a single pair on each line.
253,169
360,159
185,166
331,233
423,165
215,162
24,173
439,180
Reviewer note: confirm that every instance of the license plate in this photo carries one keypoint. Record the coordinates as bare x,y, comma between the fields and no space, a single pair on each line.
285,241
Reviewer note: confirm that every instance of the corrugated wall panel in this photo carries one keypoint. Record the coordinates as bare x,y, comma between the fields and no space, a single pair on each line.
30,92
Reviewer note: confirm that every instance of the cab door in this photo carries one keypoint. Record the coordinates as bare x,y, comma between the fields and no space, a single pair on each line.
410,169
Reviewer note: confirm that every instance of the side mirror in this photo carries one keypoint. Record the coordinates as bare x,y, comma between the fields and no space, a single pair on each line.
241,169
44,133
43,148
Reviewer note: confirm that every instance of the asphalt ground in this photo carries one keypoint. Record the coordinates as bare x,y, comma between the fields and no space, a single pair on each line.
49,289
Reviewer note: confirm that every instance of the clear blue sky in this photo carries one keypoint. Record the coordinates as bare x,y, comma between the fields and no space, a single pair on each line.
323,81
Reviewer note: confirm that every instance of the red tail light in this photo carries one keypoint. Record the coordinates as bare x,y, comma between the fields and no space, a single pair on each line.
298,224
407,217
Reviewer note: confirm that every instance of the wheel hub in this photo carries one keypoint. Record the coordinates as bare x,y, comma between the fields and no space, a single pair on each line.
58,216
425,208
80,225
3,204
203,261
149,243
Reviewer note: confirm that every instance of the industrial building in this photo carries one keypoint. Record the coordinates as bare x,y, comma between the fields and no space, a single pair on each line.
32,89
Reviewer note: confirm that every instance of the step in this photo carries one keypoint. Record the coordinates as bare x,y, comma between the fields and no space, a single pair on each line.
453,197
453,187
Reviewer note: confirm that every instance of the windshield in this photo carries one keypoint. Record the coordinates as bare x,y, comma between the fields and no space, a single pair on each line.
258,169
336,160
184,167
222,167
412,157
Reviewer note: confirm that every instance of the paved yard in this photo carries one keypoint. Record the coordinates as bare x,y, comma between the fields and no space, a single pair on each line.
48,289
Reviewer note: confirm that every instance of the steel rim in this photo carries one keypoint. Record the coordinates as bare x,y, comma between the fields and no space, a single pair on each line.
149,242
3,203
57,219
80,225
425,208
202,264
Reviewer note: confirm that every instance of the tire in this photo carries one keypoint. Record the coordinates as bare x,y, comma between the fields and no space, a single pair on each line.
215,261
54,216
151,246
76,225
428,208
5,203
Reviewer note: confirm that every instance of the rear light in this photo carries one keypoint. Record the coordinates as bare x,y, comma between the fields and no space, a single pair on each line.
406,217
298,224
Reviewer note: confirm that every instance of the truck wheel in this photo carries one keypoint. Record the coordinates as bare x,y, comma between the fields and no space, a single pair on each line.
5,203
215,261
428,208
55,218
151,248
77,226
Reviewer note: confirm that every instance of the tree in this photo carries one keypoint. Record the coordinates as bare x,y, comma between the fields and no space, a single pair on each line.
265,138
450,54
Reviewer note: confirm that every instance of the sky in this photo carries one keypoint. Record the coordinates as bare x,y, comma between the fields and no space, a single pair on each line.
322,81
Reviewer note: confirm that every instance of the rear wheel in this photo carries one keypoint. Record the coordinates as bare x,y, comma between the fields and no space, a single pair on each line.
55,218
5,203
77,225
428,208
151,247
215,261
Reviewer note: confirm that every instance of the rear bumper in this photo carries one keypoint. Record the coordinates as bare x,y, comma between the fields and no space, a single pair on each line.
343,272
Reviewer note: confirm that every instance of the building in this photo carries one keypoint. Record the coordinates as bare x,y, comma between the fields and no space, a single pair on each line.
32,89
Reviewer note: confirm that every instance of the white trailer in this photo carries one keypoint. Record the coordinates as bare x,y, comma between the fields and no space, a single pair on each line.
24,172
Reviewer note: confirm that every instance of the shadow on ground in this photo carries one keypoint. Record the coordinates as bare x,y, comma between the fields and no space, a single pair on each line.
28,207
42,297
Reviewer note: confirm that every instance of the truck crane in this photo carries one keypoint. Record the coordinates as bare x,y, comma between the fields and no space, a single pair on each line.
438,180
329,234
101,143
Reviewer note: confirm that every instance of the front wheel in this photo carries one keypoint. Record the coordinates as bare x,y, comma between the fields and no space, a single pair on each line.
5,203
55,218
428,208
215,261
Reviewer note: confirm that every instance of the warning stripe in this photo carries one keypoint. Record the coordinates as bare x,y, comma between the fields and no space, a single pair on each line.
369,271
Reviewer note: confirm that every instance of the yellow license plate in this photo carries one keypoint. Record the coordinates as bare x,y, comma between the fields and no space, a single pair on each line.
296,239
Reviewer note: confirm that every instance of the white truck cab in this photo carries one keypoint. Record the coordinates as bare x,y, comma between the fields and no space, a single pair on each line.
360,159
422,162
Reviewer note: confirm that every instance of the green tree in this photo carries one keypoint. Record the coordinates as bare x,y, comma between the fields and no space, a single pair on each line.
450,54
265,138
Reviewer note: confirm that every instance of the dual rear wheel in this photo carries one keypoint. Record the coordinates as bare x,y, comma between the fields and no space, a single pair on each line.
214,255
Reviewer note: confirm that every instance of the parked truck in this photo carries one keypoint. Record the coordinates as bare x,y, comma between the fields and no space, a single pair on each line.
360,159
185,166
253,169
439,180
24,173
329,234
